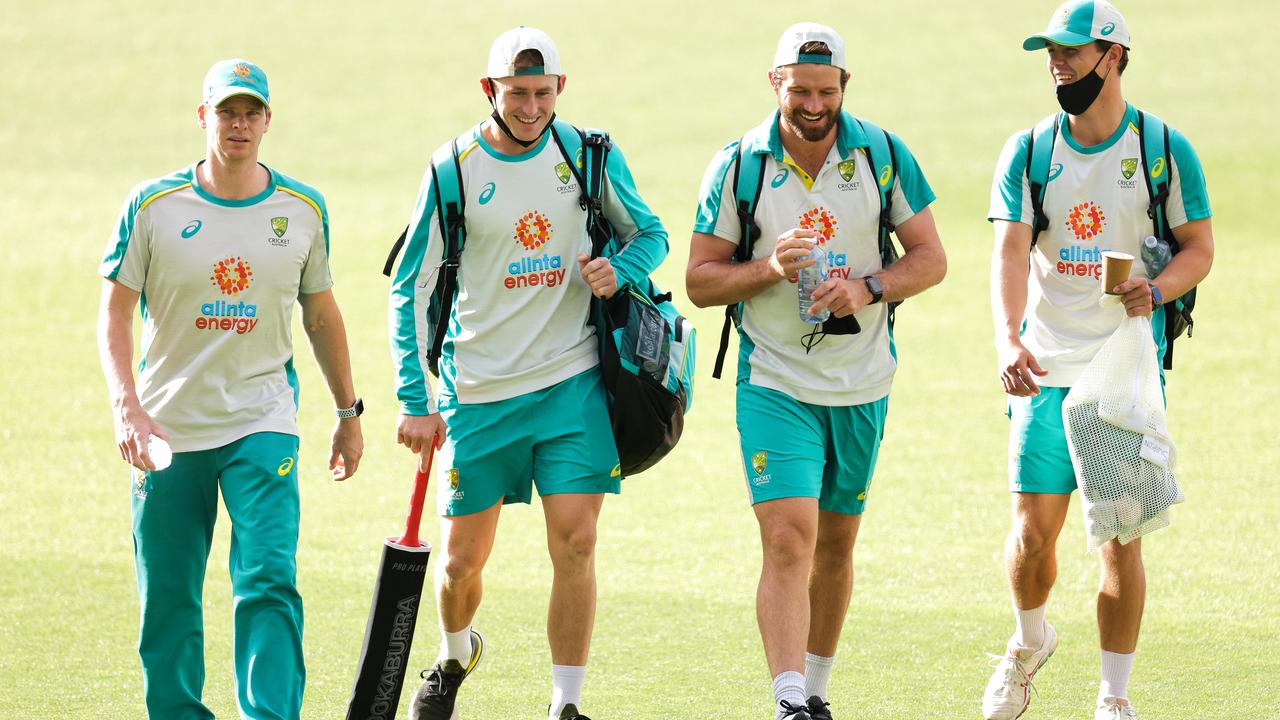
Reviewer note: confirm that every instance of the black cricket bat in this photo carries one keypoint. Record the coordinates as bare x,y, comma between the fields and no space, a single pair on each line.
393,615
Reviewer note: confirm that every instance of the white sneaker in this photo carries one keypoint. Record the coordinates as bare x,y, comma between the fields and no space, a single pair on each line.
1114,708
1009,689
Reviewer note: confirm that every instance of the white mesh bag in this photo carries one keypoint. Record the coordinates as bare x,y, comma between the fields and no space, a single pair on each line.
1119,443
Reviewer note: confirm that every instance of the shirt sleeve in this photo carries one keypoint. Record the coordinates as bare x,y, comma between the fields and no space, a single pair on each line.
409,320
1010,194
911,191
128,252
716,199
644,239
1188,194
316,276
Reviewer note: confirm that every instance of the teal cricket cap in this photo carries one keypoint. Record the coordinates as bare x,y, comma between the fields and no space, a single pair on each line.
1080,22
228,78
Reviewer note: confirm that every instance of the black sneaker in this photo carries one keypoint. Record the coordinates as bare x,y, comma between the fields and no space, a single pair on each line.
570,712
438,692
818,709
794,712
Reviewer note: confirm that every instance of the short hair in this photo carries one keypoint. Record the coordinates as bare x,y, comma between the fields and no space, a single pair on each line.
1105,45
528,58
813,47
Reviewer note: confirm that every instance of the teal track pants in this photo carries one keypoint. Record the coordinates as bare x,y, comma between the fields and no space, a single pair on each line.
174,511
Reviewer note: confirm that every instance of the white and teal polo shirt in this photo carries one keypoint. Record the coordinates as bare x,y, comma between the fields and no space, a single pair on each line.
218,280
519,319
1096,200
843,203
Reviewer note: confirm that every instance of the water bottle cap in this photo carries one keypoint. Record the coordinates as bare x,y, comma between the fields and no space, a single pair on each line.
1150,241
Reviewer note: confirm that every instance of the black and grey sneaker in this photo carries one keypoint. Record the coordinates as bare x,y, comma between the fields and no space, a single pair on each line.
818,708
794,712
570,712
438,692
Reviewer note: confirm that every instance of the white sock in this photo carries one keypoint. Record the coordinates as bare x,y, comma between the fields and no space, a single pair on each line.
817,673
788,686
455,645
566,687
1030,632
1115,674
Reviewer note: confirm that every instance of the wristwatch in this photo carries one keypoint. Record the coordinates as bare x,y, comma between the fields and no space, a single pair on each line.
875,288
354,411
1157,297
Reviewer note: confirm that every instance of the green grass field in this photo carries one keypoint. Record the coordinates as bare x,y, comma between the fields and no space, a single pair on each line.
100,96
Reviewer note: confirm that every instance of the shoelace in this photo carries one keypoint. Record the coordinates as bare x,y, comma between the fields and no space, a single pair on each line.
436,682
792,709
1012,667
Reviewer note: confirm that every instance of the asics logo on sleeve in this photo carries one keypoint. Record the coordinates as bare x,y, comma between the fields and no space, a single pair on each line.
486,193
192,228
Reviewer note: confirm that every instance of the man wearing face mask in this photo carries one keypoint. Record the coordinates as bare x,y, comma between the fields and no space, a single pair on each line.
810,417
521,401
1049,324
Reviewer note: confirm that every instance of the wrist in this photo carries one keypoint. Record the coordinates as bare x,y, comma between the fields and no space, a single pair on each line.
1157,297
351,412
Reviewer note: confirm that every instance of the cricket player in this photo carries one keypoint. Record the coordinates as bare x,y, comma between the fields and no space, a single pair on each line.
811,416
521,402
1049,325
219,252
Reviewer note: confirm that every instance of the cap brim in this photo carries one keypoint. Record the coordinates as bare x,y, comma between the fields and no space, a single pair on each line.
217,97
1060,37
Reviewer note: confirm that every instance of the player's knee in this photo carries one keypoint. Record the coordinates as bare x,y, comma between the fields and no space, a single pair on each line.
1030,541
787,545
577,546
461,566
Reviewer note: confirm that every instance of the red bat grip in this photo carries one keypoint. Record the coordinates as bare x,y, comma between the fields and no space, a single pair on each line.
411,523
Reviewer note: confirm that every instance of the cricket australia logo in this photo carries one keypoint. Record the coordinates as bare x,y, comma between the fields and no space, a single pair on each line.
453,478
279,225
848,168
562,172
759,462
1128,167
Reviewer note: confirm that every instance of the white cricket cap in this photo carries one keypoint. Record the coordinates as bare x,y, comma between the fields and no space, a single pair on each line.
502,55
795,37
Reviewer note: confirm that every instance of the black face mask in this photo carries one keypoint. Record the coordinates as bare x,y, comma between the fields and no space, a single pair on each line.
502,125
1077,97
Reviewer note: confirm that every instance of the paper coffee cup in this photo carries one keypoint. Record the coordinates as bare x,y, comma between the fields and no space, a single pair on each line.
1115,269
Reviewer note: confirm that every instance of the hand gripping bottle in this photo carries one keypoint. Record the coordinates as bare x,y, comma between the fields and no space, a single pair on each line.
809,280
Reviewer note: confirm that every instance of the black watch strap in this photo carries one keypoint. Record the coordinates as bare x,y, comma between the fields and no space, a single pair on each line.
875,288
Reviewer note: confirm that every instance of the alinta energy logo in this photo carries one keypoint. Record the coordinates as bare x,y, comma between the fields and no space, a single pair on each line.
241,69
1084,258
1086,220
533,231
231,276
825,223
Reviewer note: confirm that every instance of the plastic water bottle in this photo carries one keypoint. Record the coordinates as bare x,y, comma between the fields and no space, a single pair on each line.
1155,255
809,280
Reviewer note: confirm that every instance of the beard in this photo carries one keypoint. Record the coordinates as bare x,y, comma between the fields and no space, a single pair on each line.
807,129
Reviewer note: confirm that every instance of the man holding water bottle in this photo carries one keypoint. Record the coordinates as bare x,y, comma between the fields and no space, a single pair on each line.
810,411
218,252
1045,290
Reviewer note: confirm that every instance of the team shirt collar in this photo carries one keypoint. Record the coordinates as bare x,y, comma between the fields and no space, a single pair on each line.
209,197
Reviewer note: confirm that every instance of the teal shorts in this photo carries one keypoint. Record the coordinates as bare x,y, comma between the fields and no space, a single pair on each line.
1038,457
558,438
797,449
1039,461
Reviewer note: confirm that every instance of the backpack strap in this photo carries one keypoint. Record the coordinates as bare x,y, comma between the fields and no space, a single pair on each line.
446,180
748,180
884,165
1157,170
591,148
1039,154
